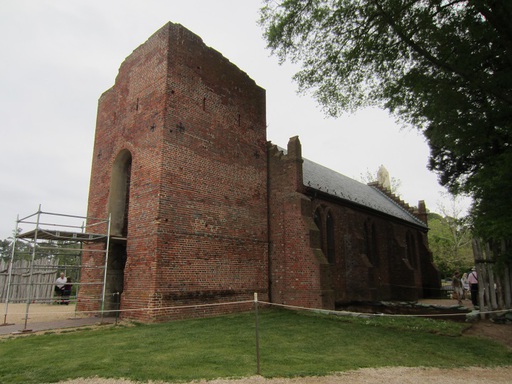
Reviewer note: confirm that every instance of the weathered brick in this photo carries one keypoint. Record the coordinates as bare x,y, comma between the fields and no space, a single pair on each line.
215,213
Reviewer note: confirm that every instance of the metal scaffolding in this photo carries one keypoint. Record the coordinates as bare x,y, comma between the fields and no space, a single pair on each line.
53,242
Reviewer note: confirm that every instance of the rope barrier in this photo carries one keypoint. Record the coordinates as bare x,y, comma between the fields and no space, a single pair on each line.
147,309
365,314
287,306
180,306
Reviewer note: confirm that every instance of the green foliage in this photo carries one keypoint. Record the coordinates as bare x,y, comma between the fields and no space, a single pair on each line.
442,66
450,243
23,250
69,255
291,344
493,217
5,249
67,252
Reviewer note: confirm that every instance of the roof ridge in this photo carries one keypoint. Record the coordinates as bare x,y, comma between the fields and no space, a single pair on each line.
327,180
396,200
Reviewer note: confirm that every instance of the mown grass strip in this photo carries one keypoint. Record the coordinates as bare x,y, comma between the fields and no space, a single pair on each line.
291,344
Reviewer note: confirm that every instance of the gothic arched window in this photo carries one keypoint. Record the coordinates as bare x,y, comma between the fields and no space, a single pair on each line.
326,228
329,226
411,249
317,216
370,242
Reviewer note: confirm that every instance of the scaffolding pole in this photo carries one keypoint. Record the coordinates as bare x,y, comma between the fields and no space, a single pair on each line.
31,280
9,274
38,244
106,268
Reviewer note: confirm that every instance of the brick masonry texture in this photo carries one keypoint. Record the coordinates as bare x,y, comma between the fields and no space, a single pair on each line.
204,210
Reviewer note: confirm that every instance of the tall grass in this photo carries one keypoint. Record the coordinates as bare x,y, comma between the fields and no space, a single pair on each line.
291,344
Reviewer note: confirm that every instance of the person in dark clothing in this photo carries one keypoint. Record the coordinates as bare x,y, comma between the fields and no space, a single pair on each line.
473,286
66,293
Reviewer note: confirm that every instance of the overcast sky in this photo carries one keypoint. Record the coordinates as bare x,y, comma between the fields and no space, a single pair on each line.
59,56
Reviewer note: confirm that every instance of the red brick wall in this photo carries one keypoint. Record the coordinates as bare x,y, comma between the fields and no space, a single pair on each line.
195,127
400,269
298,268
200,226
394,273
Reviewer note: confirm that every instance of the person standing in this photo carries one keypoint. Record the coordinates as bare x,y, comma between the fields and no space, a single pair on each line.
473,286
457,287
465,285
59,285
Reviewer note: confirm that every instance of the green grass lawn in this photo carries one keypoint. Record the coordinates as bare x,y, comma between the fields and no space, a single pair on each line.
291,344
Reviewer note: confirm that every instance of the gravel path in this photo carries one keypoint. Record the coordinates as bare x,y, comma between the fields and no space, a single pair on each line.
364,376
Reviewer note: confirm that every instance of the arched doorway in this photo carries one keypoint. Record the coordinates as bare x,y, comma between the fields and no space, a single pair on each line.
119,197
118,206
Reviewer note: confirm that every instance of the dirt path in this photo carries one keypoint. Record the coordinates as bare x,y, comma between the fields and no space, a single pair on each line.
501,333
38,313
365,376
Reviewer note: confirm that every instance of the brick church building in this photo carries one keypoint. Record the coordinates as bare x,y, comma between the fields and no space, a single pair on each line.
205,210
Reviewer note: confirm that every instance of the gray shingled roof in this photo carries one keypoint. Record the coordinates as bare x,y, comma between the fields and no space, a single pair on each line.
333,183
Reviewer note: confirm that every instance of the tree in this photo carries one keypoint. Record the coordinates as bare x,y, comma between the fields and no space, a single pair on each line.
450,237
5,249
448,256
7,244
442,66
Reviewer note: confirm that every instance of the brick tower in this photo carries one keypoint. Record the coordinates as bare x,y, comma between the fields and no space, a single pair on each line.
179,162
